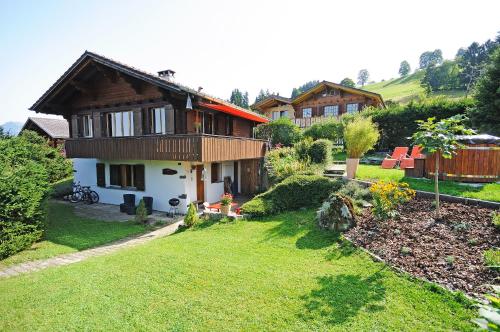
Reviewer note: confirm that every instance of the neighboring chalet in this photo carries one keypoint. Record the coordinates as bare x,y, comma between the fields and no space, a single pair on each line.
56,131
324,100
135,132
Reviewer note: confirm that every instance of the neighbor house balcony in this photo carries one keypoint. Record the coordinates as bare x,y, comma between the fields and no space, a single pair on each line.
196,148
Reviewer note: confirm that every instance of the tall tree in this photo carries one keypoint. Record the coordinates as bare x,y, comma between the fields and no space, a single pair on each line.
431,58
239,98
363,76
442,77
262,95
404,68
472,60
304,87
486,115
348,82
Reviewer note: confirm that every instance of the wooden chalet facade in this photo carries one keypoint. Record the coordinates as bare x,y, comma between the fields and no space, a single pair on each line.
120,116
324,100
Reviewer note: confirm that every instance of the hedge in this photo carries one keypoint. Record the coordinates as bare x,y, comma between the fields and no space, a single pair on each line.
295,192
320,151
397,122
282,131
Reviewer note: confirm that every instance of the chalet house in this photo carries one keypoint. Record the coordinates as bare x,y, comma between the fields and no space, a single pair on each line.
56,131
135,132
323,101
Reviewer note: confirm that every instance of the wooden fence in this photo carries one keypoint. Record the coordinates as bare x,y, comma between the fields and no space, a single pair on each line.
476,163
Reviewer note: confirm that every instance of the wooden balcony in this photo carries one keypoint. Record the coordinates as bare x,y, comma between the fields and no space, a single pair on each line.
200,148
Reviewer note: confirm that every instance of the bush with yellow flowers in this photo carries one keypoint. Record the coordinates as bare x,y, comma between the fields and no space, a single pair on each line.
387,196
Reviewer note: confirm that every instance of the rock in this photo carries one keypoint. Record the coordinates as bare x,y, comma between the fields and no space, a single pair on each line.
336,213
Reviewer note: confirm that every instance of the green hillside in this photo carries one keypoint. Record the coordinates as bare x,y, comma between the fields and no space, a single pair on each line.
404,89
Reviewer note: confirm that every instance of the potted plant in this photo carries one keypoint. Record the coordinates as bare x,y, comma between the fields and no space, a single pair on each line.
225,203
360,136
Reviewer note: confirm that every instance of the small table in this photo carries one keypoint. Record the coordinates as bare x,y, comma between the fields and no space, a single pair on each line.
216,206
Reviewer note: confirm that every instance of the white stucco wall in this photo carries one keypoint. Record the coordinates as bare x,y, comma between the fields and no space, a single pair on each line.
160,187
213,191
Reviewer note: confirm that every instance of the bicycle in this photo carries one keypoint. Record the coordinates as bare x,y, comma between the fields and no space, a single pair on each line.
83,194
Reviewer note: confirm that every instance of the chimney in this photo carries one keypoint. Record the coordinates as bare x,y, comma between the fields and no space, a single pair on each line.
200,88
167,74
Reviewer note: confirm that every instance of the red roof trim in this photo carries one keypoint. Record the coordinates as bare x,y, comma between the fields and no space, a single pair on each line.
235,112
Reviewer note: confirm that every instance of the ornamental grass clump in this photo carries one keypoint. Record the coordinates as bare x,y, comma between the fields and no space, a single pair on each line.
387,196
360,136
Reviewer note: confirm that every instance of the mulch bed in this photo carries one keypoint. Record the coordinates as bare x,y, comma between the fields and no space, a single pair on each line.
448,251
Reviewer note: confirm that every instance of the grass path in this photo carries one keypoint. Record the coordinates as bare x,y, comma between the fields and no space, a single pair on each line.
68,233
281,273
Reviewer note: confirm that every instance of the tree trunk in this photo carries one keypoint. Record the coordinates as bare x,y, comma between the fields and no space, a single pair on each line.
436,185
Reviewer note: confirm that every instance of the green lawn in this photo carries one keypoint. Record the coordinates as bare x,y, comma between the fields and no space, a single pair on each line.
67,233
489,192
281,273
403,89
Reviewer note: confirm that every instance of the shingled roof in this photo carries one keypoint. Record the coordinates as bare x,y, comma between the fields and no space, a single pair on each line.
139,74
55,128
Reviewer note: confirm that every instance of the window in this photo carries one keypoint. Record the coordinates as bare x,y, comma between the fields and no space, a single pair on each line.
332,110
216,173
127,176
307,112
279,114
351,108
158,120
120,124
85,126
208,127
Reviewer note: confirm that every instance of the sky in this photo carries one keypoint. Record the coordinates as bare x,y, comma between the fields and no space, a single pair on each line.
222,45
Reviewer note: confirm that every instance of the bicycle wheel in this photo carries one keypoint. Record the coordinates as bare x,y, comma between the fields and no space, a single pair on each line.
75,197
94,197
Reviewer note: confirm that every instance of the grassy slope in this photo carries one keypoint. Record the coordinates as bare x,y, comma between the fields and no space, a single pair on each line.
66,233
490,192
278,274
404,89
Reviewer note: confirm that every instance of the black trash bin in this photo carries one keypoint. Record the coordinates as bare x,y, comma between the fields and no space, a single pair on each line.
148,202
129,199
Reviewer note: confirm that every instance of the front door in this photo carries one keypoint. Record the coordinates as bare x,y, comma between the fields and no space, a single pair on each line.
200,184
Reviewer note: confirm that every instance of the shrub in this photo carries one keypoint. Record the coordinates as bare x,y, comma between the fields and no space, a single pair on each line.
192,218
330,129
62,188
358,194
282,131
23,189
141,213
293,193
302,148
282,163
320,151
387,196
360,135
492,259
496,220
397,122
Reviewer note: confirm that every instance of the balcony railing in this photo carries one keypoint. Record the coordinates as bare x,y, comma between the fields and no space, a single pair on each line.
201,148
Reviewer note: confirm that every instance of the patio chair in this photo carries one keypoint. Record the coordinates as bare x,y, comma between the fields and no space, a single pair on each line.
409,161
398,154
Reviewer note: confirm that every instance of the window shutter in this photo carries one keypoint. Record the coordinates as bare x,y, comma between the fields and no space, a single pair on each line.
169,119
139,177
74,126
101,177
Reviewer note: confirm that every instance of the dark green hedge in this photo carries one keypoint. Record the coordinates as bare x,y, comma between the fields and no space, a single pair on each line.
320,151
24,187
397,122
293,193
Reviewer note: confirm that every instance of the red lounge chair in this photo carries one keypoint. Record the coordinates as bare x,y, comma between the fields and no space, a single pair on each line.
409,161
398,154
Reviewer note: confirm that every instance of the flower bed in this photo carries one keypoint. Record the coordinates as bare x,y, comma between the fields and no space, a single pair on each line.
448,251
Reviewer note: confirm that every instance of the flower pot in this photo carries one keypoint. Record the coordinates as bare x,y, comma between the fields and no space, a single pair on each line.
225,209
351,167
